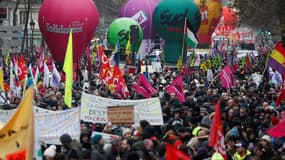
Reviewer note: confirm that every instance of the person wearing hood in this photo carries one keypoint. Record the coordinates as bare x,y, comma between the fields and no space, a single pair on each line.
85,140
98,144
70,147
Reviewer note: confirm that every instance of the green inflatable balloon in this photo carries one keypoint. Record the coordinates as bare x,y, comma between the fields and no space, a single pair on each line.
120,30
169,19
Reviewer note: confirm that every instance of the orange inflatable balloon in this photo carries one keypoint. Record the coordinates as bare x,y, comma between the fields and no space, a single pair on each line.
211,11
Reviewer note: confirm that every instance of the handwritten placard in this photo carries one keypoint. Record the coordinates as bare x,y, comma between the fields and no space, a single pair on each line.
121,114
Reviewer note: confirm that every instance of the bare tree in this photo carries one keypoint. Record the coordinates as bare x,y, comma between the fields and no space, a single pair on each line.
265,15
15,17
26,25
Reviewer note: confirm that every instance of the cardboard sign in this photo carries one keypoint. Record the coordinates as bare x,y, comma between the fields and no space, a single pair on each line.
121,114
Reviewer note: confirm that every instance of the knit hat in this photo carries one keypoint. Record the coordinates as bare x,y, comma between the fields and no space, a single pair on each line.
266,138
50,151
96,138
126,130
65,138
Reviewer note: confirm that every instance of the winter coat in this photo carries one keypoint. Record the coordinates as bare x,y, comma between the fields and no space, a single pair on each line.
98,153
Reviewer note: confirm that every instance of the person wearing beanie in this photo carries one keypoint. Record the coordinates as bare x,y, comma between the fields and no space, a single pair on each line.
127,133
70,146
50,152
267,148
98,152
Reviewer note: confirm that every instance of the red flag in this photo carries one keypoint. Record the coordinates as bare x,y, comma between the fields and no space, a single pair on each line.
278,130
226,77
173,153
247,62
22,69
144,87
217,133
177,87
40,61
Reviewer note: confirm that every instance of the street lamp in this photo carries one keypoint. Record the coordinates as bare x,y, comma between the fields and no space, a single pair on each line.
32,25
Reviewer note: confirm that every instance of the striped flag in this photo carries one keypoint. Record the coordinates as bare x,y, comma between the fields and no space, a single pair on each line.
277,58
189,36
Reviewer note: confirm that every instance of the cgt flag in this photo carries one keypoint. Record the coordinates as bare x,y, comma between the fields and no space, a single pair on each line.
17,136
216,133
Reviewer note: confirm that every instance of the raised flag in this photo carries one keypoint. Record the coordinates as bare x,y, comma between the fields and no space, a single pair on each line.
2,79
177,87
248,62
40,61
179,63
115,57
277,58
226,77
88,52
144,87
22,69
55,78
217,134
128,48
17,136
68,69
15,88
278,130
192,58
46,76
173,153
189,36
29,79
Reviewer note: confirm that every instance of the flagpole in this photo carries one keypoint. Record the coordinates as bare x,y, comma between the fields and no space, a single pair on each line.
183,42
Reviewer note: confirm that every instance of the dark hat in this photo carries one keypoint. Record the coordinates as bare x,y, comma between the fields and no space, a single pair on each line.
65,138
241,143
96,138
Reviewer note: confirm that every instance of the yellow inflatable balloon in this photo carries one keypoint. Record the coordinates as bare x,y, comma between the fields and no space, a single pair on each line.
211,12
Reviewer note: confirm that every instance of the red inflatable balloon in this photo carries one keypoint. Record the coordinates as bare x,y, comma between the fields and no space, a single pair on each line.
56,17
229,15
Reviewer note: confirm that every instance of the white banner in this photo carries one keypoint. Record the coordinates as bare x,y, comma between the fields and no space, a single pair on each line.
5,115
51,126
94,109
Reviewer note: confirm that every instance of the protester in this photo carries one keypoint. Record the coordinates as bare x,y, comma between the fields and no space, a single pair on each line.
248,110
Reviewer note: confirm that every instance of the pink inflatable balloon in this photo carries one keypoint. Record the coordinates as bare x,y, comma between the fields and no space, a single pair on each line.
56,17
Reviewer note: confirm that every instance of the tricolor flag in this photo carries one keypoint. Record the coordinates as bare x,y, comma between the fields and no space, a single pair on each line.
277,58
55,78
189,36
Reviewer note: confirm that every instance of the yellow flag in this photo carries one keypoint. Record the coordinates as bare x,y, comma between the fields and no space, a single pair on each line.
68,69
17,136
2,79
128,47
179,63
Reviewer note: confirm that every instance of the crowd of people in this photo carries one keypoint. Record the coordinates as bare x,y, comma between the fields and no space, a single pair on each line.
248,110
